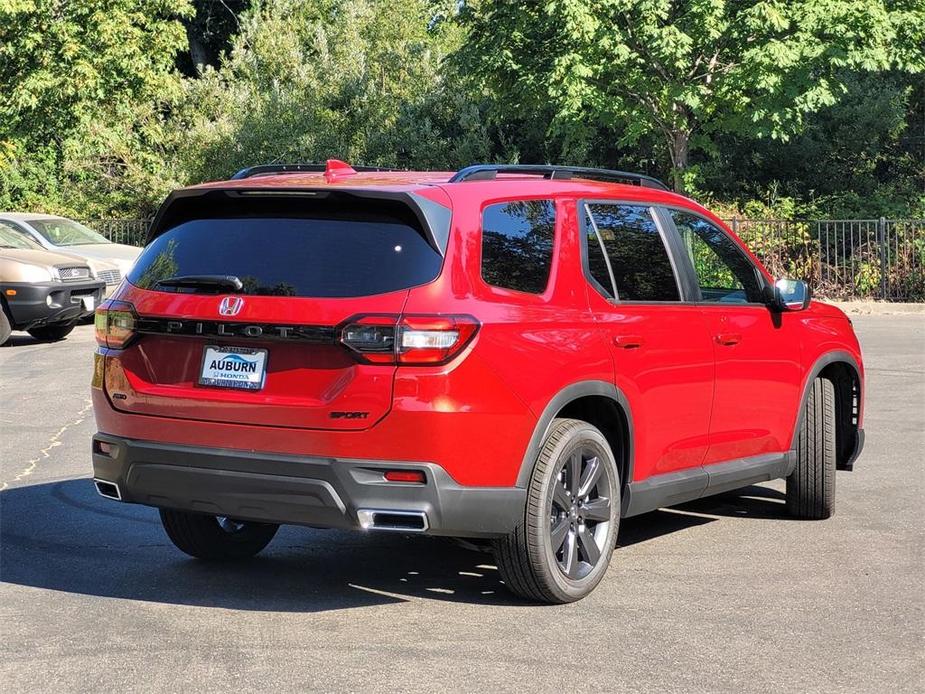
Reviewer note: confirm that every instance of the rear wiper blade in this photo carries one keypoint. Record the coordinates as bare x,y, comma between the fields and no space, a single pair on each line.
202,281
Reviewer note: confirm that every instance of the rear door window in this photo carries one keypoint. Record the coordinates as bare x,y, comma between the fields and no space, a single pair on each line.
517,244
315,251
631,248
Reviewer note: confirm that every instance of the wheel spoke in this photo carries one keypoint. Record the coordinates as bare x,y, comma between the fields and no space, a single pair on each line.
597,509
574,477
589,545
558,533
592,474
561,498
570,556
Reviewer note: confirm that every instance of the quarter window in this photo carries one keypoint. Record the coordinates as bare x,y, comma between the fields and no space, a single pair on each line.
598,267
723,271
517,243
635,251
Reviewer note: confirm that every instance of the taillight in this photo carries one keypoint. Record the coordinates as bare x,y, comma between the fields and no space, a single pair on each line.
434,339
408,340
371,338
115,324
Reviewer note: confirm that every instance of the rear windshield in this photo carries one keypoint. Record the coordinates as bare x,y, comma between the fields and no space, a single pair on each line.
330,255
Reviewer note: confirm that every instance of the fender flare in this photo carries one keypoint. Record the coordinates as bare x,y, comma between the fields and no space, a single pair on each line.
834,357
565,396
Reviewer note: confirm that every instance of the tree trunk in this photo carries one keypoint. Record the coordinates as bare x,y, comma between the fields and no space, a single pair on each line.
679,147
197,51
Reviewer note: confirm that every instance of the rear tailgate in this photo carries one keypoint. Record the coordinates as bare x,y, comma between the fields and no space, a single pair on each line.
306,267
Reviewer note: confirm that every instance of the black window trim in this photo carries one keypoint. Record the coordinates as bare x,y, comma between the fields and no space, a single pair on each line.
664,211
556,223
682,281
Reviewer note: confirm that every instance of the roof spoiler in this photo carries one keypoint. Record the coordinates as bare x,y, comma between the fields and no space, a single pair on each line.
182,204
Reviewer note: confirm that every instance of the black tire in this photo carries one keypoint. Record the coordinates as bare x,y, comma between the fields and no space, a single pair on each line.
528,560
214,537
51,333
811,485
5,328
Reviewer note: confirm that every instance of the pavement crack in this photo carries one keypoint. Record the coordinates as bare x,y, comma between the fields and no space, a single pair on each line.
53,443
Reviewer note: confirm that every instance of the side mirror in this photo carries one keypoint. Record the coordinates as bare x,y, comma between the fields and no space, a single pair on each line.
791,295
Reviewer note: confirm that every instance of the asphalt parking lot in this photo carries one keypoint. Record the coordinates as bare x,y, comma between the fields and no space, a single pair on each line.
725,594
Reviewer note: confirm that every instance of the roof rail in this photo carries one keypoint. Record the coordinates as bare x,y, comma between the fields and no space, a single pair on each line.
488,172
267,169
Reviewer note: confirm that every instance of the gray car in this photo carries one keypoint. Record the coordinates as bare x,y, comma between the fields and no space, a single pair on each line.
63,235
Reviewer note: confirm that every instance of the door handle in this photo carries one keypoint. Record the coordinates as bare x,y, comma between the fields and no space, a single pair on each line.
729,339
628,341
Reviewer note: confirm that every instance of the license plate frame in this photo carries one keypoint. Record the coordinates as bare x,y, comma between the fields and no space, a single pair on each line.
215,379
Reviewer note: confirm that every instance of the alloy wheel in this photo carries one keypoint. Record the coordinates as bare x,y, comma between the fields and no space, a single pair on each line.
579,513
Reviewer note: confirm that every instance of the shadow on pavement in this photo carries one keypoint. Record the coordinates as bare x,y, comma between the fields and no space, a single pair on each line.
20,339
749,502
63,536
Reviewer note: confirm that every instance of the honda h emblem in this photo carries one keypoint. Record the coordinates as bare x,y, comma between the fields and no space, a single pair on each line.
231,306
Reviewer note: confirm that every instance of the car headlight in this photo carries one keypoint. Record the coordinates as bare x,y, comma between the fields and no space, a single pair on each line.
29,272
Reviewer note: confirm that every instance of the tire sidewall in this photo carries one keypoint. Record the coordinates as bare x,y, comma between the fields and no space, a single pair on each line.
588,437
6,326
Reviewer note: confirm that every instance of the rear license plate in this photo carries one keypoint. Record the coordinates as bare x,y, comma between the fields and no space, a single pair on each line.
233,367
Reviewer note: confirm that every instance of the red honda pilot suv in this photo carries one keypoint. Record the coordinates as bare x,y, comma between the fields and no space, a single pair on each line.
518,354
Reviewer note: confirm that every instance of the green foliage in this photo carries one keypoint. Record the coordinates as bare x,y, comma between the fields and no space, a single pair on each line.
85,87
358,80
858,158
684,71
766,108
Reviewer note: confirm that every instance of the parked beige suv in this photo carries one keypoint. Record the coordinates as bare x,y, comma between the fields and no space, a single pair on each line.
41,292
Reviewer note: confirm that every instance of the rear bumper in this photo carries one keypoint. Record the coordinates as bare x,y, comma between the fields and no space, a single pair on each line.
315,491
47,303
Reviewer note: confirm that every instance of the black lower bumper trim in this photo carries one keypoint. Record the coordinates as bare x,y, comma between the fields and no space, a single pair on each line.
49,303
321,492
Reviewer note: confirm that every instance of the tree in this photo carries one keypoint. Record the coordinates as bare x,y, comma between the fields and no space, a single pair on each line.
84,87
858,158
209,32
688,70
307,80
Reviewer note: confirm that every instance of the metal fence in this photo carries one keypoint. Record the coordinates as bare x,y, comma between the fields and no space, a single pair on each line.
843,258
840,258
128,231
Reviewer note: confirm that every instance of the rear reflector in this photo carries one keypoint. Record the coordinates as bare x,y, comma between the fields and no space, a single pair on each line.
412,476
411,340
103,447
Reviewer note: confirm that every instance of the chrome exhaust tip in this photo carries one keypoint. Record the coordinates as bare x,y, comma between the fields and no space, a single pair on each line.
397,521
108,489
